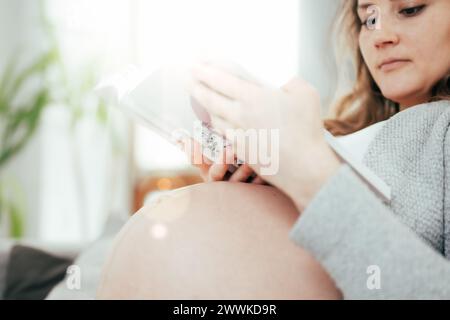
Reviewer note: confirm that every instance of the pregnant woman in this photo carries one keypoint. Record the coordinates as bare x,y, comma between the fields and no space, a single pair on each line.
317,231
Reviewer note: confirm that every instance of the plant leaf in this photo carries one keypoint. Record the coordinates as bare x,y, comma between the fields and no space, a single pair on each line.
28,121
16,228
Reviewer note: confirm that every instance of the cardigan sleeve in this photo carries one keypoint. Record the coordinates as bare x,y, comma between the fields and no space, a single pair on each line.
365,248
447,195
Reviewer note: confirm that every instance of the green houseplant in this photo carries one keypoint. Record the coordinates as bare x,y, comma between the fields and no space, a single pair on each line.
20,118
18,123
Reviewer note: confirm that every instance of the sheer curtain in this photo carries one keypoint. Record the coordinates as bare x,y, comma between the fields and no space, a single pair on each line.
85,150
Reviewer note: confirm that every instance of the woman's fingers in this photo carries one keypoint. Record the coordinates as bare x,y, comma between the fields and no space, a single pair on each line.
222,82
215,103
258,180
210,171
193,151
242,174
217,172
220,125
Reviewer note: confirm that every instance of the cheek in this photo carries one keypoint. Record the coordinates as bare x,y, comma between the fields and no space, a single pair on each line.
431,54
362,45
431,41
367,51
441,48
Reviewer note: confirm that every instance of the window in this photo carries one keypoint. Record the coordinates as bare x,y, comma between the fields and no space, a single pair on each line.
262,36
82,176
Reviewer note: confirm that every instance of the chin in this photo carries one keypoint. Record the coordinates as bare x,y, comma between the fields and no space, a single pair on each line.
400,91
403,87
398,96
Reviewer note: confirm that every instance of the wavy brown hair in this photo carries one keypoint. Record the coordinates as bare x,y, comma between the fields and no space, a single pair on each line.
365,104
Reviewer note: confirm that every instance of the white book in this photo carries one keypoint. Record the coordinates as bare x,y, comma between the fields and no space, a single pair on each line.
159,100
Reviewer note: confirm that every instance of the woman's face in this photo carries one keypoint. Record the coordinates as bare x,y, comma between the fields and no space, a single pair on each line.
406,46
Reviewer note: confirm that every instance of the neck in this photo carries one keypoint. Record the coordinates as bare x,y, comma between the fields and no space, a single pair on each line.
414,101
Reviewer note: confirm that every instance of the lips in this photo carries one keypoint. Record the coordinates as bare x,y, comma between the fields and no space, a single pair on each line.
392,63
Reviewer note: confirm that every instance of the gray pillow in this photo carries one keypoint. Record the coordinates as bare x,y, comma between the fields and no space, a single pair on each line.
31,273
5,250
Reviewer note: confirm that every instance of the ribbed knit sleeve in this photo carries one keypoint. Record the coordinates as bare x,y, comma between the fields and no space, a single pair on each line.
356,237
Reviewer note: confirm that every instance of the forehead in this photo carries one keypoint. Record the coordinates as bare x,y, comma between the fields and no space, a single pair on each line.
364,4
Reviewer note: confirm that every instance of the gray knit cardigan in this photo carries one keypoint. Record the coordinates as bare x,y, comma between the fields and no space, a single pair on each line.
399,250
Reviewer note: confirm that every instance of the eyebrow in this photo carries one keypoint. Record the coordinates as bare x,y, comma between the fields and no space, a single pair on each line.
364,6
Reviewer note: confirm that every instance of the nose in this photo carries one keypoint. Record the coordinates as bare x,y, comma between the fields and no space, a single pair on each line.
385,36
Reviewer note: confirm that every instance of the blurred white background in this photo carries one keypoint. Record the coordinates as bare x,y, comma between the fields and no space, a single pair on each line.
82,163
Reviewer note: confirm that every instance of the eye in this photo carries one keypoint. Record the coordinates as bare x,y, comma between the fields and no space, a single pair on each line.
413,11
370,23
407,12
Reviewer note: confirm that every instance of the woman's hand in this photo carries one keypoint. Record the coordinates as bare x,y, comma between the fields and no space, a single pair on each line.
210,171
305,160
